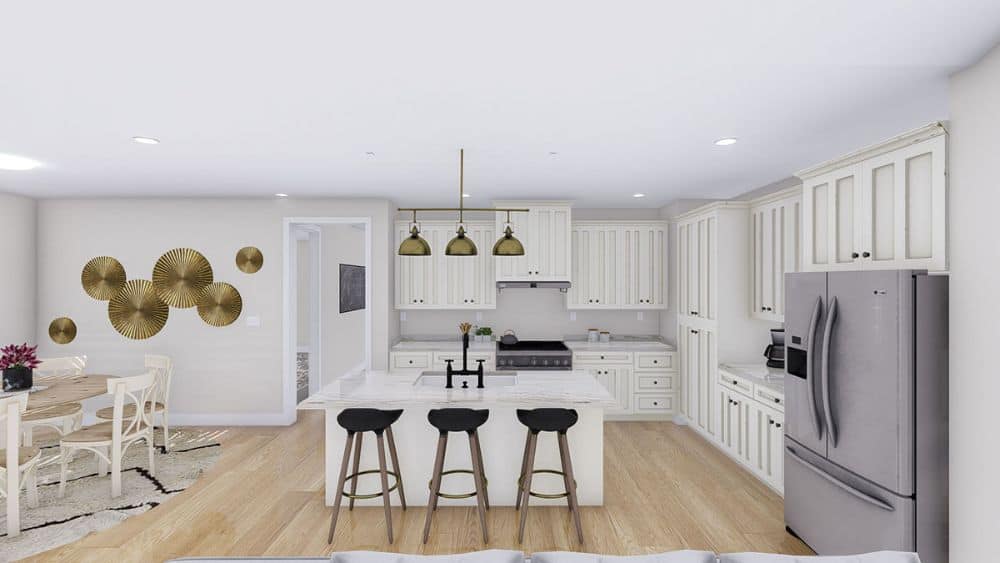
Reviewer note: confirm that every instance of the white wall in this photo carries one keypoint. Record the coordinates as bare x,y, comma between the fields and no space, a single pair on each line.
17,270
532,313
343,333
974,197
233,373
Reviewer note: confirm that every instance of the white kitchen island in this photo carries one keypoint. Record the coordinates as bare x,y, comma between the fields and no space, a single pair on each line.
502,437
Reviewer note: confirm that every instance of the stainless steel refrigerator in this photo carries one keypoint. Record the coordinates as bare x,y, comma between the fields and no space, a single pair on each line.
866,414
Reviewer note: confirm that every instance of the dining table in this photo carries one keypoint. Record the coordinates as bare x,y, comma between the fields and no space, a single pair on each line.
58,390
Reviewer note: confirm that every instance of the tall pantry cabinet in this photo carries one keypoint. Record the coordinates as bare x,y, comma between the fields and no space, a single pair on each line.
714,321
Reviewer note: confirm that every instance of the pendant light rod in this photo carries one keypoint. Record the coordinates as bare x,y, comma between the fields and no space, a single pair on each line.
461,185
471,209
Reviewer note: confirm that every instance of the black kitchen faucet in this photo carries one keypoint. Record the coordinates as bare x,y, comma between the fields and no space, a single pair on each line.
449,372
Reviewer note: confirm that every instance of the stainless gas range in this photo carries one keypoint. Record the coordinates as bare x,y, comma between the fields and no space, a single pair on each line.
534,355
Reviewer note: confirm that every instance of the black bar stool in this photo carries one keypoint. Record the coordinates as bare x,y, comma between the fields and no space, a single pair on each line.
547,420
458,420
357,422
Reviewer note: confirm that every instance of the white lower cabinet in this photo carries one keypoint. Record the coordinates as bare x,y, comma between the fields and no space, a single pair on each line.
644,384
751,426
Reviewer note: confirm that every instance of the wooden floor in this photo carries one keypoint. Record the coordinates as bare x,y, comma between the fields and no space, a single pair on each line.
666,489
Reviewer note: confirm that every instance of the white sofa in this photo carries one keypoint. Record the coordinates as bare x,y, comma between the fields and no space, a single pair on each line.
504,556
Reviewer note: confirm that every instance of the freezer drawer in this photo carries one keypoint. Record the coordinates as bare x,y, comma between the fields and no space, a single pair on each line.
837,513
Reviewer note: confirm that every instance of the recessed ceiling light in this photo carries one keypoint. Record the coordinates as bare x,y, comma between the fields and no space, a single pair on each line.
370,154
280,195
638,195
726,142
146,140
466,195
14,162
553,153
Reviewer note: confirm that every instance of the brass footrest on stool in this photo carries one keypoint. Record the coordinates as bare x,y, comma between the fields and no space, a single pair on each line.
395,485
430,484
520,485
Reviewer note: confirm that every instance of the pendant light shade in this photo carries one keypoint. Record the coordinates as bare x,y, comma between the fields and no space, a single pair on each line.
414,245
461,245
508,245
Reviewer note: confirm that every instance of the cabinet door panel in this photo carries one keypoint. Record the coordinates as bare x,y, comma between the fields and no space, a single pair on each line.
768,257
816,224
880,224
843,220
683,267
757,226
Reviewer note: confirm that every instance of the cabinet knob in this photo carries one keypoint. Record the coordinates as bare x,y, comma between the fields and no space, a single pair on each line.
777,400
854,255
769,421
655,382
656,361
866,254
602,357
777,425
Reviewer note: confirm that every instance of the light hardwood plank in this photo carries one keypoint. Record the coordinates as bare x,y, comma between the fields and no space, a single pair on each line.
665,488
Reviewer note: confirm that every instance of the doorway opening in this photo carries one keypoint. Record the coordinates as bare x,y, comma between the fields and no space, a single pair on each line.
327,303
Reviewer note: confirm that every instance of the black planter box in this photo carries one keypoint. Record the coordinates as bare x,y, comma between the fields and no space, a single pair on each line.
15,379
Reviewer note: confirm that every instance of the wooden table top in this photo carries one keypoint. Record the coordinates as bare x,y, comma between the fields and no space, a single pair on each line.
67,390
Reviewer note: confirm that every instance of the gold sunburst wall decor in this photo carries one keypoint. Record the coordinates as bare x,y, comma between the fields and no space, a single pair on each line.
220,304
62,330
102,277
136,311
180,275
249,259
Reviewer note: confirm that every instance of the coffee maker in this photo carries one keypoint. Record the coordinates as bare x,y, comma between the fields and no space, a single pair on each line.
775,351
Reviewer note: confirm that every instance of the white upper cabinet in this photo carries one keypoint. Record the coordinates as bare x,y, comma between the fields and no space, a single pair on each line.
697,264
618,265
776,229
545,233
446,282
880,208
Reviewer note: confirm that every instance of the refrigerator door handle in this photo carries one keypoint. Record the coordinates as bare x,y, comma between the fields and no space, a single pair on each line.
838,483
831,317
810,379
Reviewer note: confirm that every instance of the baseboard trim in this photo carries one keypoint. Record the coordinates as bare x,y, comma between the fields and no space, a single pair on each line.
231,419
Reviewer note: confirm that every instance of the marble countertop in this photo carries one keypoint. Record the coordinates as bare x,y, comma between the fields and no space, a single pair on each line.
619,346
453,345
760,374
379,389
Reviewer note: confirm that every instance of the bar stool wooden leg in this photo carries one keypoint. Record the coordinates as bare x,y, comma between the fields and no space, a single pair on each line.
524,464
435,483
395,466
340,485
482,471
477,472
526,487
566,482
570,484
357,463
385,484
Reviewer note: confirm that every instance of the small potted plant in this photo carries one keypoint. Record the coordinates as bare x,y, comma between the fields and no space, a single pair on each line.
18,364
484,334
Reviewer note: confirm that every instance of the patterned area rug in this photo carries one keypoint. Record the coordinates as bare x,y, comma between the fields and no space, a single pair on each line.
88,506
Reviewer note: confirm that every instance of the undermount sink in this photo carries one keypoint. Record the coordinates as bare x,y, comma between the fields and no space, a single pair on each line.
490,379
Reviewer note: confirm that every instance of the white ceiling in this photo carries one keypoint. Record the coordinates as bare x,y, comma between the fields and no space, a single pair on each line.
251,98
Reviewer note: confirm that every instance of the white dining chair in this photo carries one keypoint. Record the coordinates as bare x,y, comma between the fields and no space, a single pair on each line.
18,465
109,440
163,366
64,417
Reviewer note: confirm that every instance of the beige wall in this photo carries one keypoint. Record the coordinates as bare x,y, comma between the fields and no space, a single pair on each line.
343,333
17,270
223,375
974,198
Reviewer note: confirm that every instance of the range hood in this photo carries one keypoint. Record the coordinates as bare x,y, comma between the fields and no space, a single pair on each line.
562,286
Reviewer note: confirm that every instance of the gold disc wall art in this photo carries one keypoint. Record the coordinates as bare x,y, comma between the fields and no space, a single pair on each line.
102,277
137,312
220,304
180,275
249,259
62,330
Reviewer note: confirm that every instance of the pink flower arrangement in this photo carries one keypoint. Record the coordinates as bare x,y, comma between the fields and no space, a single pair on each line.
15,356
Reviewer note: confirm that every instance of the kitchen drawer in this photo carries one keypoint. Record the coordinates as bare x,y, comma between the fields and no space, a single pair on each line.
660,383
735,383
411,360
655,360
774,399
654,404
590,357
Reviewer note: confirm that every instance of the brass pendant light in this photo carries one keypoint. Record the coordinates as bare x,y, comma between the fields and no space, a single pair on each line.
461,245
508,245
414,245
